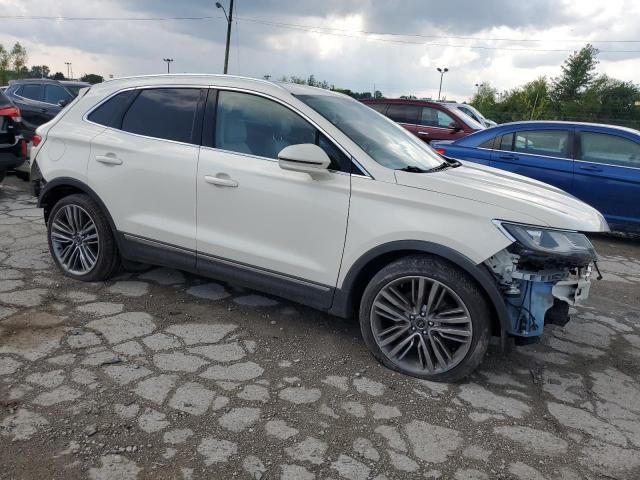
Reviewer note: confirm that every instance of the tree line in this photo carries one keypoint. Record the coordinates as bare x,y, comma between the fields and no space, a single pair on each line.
579,93
13,66
311,81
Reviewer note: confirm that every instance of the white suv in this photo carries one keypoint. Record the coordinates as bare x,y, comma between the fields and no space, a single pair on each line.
313,196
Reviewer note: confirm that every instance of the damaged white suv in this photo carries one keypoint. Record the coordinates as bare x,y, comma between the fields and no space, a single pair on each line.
312,196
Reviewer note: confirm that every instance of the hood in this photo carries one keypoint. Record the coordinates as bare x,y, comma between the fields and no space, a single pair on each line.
551,206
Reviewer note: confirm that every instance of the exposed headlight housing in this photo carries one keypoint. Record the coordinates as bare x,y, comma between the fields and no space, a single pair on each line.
546,243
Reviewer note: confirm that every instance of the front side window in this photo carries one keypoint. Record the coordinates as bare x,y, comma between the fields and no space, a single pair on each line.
433,117
385,142
166,113
54,94
609,149
404,113
258,126
32,91
550,143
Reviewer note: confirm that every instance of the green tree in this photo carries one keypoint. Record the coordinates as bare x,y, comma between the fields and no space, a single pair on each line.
19,60
578,72
39,71
5,61
58,76
92,78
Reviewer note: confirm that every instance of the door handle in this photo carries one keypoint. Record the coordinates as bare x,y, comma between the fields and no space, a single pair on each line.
508,157
590,168
109,159
423,133
220,181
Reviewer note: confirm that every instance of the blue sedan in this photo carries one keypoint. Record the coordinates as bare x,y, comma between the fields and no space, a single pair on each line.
599,164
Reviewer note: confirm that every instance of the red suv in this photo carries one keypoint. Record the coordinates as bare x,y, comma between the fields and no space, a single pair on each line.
428,121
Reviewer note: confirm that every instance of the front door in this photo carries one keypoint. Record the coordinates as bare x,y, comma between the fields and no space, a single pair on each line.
273,228
545,155
607,176
143,167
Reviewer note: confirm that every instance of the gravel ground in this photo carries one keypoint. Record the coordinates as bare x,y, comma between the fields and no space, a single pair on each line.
166,375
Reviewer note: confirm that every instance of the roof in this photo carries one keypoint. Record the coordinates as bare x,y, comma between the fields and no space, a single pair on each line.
402,101
539,123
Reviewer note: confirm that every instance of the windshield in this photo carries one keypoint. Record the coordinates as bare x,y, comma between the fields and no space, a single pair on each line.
467,115
386,142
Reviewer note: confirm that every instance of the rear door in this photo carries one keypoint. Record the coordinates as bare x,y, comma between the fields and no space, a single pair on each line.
607,174
30,100
143,166
544,154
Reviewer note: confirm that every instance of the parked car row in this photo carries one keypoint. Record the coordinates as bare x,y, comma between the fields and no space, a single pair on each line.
429,121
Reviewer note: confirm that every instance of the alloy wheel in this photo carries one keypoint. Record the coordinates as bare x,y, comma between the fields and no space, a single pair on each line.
75,240
421,325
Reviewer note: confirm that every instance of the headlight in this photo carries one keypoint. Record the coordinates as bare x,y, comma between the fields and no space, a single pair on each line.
550,241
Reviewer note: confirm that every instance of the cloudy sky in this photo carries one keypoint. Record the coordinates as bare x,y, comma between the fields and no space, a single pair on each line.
503,42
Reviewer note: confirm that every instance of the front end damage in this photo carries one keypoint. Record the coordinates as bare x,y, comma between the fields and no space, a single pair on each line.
541,274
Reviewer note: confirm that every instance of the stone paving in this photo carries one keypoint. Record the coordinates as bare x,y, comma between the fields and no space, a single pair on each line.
167,375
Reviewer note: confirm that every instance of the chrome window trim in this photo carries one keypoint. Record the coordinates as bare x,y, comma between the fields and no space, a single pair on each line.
524,153
85,118
607,164
422,126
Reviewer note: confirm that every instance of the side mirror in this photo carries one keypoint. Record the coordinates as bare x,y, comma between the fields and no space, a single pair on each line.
455,126
304,157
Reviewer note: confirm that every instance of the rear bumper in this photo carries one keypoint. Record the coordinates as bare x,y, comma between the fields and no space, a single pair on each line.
11,155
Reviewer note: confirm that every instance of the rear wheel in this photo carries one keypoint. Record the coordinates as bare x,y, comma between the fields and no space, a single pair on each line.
426,318
80,239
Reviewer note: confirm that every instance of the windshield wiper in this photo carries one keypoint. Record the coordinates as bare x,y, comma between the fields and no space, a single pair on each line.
413,169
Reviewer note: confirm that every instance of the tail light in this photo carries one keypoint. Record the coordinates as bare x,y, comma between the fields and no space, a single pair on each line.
11,112
23,148
441,151
36,140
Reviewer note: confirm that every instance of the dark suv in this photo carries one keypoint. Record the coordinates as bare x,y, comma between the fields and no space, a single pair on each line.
13,149
40,100
429,121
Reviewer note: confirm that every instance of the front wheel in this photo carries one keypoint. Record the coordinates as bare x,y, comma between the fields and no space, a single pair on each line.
424,317
80,239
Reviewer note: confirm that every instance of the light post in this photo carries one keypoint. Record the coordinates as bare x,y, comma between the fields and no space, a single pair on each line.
168,60
479,86
229,22
68,64
442,72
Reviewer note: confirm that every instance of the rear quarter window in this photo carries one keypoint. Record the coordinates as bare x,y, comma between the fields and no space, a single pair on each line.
110,112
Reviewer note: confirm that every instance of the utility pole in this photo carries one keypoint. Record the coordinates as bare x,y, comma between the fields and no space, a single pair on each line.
229,22
442,72
168,60
68,64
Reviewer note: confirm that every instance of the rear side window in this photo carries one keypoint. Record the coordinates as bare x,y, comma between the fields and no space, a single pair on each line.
505,142
404,113
167,113
488,144
110,112
4,100
550,143
378,107
609,149
54,94
32,92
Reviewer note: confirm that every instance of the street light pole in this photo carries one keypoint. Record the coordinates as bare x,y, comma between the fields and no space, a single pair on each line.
168,60
229,23
479,86
442,72
68,64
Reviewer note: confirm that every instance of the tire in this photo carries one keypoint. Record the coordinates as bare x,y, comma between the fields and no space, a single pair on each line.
454,326
100,247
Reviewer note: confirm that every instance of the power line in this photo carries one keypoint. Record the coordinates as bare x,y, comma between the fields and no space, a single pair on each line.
361,34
